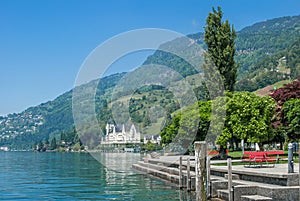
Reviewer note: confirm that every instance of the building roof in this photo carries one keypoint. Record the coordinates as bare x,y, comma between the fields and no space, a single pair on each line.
119,127
111,121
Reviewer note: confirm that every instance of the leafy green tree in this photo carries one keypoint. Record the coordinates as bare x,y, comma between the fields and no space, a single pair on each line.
219,38
146,120
62,136
53,144
152,146
280,135
170,131
77,139
247,117
190,125
46,142
281,95
291,110
40,146
293,60
77,147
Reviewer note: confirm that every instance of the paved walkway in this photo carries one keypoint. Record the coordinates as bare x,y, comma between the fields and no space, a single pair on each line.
279,169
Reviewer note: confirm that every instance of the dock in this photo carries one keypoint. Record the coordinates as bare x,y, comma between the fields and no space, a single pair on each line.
249,183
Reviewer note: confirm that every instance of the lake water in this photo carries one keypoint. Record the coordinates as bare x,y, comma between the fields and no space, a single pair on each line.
78,176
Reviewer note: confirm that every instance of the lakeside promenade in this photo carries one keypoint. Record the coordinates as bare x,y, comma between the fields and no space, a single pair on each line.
249,183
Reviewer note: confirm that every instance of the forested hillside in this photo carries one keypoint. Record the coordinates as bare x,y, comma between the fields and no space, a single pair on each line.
24,130
284,64
265,38
266,49
266,52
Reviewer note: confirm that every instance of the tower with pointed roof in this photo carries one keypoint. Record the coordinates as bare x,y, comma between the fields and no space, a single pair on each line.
121,134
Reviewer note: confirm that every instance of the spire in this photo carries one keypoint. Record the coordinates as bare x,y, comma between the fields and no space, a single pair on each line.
123,129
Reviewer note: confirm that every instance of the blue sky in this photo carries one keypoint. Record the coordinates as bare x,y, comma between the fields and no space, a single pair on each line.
44,42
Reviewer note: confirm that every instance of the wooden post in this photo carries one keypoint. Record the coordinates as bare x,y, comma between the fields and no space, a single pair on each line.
180,172
200,155
181,195
188,175
208,177
229,180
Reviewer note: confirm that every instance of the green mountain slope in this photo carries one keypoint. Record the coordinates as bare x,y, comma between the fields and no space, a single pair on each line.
284,64
265,38
266,52
23,130
260,49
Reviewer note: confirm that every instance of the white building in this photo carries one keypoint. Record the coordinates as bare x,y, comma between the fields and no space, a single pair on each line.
4,148
121,134
155,139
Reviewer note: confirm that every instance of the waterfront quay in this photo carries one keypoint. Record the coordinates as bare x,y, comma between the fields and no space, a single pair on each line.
248,183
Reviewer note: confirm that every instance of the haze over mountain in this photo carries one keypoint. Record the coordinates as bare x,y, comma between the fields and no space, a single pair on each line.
266,51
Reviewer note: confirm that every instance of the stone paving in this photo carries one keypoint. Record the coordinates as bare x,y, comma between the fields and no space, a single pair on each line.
279,169
273,182
266,173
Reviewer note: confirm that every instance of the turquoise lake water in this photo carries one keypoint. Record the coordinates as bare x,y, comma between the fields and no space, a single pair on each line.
79,176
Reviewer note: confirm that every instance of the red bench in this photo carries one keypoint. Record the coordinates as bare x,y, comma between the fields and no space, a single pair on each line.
260,158
275,154
212,152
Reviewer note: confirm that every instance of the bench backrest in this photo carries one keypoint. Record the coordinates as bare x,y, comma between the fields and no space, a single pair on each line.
253,154
276,152
212,152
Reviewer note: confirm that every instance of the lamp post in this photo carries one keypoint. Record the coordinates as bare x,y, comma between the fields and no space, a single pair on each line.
290,158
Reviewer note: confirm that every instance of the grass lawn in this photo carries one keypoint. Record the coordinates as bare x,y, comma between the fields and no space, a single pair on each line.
239,154
236,154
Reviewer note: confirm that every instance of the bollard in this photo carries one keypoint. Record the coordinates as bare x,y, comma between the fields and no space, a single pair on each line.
200,154
230,190
243,146
180,172
208,182
290,158
188,175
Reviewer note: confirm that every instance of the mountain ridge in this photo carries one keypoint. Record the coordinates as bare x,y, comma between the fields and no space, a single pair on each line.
50,119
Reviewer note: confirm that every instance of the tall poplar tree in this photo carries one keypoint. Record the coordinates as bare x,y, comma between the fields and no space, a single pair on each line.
219,37
53,144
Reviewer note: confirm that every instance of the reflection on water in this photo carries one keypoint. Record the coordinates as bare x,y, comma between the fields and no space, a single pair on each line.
78,176
117,162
